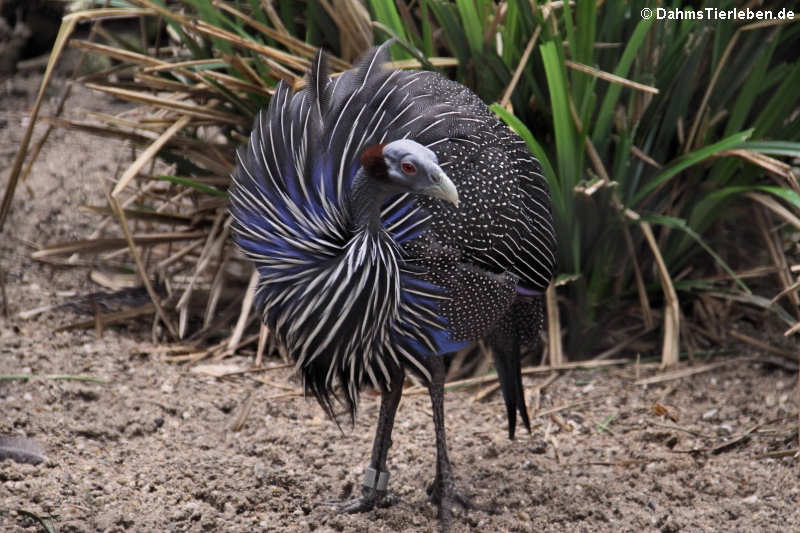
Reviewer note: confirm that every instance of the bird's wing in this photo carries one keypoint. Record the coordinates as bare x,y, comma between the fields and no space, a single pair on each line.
504,223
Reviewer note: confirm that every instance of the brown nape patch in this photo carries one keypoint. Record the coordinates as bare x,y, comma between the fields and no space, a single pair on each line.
373,162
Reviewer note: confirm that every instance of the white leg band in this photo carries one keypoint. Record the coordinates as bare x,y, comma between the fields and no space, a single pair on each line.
375,479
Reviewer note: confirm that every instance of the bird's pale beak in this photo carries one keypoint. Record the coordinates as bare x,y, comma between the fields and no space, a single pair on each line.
444,189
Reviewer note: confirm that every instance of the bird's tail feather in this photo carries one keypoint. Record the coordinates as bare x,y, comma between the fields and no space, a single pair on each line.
506,355
517,329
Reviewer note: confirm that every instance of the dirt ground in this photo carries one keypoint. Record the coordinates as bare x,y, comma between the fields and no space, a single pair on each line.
151,448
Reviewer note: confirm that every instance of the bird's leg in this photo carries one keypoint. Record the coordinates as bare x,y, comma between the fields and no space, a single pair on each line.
443,490
376,477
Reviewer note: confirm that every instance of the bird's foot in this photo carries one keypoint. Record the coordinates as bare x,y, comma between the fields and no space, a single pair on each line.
373,494
445,495
369,499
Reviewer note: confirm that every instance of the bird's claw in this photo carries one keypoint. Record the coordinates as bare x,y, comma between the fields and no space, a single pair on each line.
369,500
444,494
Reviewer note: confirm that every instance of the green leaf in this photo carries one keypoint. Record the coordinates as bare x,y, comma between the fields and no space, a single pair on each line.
471,21
603,124
567,147
680,224
711,207
781,104
753,85
456,38
386,13
785,194
427,29
213,16
688,160
791,149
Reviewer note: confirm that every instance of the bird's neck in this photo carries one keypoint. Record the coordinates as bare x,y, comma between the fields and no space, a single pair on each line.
366,199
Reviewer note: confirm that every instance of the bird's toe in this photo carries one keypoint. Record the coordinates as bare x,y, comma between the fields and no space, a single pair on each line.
369,500
444,493
389,499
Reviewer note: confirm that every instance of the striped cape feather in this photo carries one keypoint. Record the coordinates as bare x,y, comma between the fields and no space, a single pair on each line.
345,303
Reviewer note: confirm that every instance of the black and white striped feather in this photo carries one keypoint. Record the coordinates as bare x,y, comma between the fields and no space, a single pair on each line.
351,305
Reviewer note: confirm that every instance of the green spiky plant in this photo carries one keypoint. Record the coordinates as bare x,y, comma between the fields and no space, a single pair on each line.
654,135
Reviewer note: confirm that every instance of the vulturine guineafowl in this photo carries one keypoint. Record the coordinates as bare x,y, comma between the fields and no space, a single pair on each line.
393,220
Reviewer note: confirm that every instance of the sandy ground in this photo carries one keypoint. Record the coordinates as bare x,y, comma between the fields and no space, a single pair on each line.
152,447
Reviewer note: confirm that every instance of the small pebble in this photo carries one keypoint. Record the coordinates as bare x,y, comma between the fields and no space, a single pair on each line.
710,414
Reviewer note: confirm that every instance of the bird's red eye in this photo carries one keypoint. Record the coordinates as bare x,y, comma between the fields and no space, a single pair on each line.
408,168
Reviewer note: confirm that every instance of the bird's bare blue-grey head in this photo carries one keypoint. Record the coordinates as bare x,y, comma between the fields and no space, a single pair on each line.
405,166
